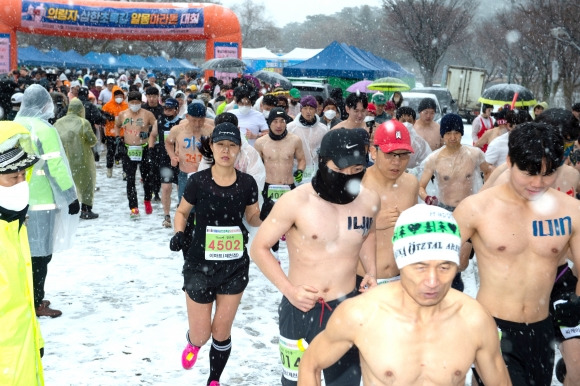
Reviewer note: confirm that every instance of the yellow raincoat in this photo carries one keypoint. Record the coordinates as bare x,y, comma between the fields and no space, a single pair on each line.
20,338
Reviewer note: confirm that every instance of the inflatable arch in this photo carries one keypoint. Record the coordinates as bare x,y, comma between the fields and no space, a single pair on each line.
216,24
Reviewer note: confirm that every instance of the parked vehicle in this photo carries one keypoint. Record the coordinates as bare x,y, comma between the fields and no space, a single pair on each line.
412,99
446,101
312,86
466,86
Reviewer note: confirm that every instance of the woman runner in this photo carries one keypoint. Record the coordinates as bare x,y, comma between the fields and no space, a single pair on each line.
217,263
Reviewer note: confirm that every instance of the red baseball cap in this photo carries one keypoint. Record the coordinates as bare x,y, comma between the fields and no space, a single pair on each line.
230,94
393,135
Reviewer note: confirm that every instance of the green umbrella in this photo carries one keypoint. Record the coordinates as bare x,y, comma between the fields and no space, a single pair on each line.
389,84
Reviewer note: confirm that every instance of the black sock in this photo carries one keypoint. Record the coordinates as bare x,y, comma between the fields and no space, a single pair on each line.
218,357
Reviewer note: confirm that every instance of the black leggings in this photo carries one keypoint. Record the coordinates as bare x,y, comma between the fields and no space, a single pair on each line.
39,272
131,170
112,153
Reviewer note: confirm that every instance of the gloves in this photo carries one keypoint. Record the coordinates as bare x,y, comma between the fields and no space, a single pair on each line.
298,174
431,200
143,135
567,310
74,207
176,242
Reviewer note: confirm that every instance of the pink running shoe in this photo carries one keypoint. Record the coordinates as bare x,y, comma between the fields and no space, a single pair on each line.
189,356
214,383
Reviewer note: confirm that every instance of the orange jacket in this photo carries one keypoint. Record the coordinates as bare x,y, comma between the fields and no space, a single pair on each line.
115,109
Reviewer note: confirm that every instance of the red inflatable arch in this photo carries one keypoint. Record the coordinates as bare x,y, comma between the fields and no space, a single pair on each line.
216,24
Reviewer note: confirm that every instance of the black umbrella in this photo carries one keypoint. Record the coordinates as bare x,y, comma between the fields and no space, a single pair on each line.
273,78
224,65
503,93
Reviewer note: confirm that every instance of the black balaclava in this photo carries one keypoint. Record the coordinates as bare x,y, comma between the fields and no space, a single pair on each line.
336,187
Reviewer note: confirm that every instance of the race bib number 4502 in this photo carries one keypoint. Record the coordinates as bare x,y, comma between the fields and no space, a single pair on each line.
223,243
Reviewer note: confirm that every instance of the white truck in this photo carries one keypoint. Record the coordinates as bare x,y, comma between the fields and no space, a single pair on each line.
466,86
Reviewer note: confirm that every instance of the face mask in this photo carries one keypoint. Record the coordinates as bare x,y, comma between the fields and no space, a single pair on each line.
336,187
135,108
330,114
15,197
266,113
294,103
244,110
119,100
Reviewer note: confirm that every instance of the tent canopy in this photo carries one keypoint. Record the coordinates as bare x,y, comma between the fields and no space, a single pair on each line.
258,53
343,61
301,54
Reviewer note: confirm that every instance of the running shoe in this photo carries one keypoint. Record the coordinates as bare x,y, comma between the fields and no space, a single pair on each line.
148,207
189,356
167,221
214,383
89,215
134,214
156,198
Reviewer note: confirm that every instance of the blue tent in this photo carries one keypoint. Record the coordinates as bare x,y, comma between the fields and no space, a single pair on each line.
135,61
105,61
67,59
31,56
343,61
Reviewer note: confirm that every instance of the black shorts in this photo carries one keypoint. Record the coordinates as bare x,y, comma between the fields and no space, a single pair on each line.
564,284
269,202
295,325
528,352
205,280
168,174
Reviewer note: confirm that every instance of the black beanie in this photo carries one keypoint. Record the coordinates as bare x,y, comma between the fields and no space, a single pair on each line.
451,122
427,103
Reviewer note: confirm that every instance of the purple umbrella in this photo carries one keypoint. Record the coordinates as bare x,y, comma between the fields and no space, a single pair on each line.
252,79
360,86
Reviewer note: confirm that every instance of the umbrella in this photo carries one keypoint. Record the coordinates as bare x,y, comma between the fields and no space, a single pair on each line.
273,78
360,86
224,65
389,84
503,93
255,81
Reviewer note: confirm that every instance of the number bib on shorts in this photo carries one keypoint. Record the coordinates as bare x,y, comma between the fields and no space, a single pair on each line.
223,243
135,153
276,191
291,352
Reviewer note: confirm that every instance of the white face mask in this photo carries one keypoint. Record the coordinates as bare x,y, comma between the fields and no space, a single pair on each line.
135,108
330,114
244,109
119,100
14,197
266,113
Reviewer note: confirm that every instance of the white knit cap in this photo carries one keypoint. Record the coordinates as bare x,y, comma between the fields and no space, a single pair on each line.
426,232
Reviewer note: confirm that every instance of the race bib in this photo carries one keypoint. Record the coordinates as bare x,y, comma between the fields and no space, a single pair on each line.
223,243
309,172
135,153
291,352
389,280
570,332
276,191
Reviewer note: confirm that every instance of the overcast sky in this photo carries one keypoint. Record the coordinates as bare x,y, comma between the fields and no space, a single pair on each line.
286,11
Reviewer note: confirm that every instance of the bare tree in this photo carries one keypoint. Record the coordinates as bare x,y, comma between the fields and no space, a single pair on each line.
257,31
427,28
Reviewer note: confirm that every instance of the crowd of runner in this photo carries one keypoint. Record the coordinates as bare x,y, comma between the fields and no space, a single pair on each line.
363,190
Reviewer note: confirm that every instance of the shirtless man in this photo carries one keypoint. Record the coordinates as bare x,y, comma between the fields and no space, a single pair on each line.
138,123
425,126
567,181
398,191
278,150
457,171
518,259
184,141
356,106
329,226
430,325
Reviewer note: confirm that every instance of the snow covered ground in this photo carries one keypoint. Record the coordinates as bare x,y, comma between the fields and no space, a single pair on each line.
124,318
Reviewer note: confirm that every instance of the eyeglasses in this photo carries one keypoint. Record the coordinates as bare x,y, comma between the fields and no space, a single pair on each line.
392,155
